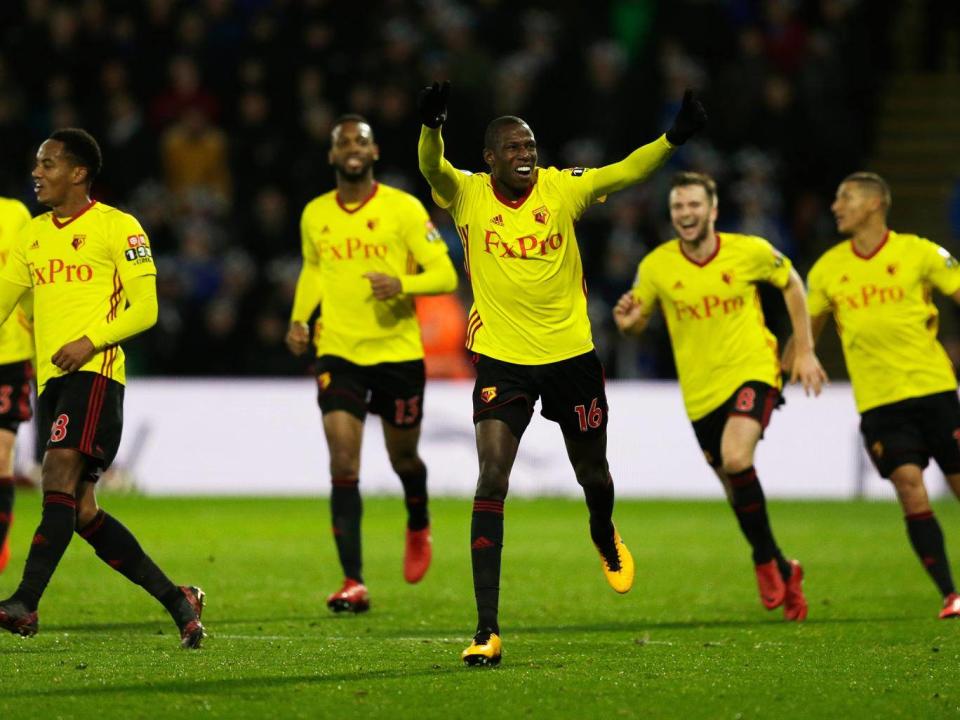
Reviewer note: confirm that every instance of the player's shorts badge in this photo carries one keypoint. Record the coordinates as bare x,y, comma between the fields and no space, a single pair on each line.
323,381
877,450
487,394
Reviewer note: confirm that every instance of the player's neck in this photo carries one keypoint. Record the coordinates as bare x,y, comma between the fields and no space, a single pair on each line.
868,239
354,191
700,250
71,206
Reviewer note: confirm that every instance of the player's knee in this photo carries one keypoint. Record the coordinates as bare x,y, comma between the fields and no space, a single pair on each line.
62,471
736,460
591,475
344,464
407,464
493,481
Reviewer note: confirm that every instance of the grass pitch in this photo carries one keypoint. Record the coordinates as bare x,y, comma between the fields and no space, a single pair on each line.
690,640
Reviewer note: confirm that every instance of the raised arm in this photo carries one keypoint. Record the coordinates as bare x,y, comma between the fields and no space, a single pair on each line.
798,355
643,161
442,176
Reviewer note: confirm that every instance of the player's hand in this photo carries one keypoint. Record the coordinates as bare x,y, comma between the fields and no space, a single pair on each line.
689,121
808,371
384,286
432,104
74,355
627,312
298,338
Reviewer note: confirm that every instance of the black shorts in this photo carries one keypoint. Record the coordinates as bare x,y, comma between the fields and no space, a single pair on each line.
571,394
752,399
912,431
84,411
15,394
394,391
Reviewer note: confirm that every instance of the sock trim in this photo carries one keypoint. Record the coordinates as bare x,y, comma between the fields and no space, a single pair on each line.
90,529
491,506
919,516
59,498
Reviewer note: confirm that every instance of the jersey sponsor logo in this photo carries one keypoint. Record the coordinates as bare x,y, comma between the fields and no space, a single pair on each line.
433,235
56,270
870,296
139,255
488,394
78,241
707,307
522,247
136,240
352,248
542,215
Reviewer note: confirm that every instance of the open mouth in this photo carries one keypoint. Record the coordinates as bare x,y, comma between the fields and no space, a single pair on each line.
523,170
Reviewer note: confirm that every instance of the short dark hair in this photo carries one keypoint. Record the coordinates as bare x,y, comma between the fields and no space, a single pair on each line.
82,150
491,137
876,183
687,178
351,117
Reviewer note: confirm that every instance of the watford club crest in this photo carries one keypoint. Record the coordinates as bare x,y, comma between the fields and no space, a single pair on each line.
372,223
542,215
323,381
892,269
727,277
487,394
877,450
78,241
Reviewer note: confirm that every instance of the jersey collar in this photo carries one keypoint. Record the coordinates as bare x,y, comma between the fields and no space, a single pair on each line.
513,204
878,248
63,223
702,263
368,198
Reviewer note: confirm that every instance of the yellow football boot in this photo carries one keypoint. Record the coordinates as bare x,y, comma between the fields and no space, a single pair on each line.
618,568
485,649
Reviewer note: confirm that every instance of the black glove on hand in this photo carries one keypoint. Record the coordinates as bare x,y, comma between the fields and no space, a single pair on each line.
432,104
689,120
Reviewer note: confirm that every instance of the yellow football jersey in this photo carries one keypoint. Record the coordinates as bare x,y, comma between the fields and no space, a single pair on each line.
713,313
529,294
16,334
389,232
77,268
885,315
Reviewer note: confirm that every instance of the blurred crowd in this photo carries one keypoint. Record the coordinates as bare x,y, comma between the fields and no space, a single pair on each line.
214,117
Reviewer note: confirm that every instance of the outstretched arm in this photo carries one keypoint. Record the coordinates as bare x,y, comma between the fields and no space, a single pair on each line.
442,176
798,355
643,161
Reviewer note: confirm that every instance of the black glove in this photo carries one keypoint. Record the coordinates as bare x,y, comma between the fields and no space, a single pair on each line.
689,120
432,104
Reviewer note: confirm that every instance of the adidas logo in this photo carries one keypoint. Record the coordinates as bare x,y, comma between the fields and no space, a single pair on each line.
35,245
678,285
497,220
481,543
326,229
844,279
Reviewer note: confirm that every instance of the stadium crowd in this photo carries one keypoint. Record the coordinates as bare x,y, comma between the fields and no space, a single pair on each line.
215,116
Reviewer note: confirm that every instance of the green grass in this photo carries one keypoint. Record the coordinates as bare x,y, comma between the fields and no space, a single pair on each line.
690,640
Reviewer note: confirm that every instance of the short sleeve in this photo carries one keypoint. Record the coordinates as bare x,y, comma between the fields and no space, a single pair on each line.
940,268
644,291
768,264
421,236
307,245
17,270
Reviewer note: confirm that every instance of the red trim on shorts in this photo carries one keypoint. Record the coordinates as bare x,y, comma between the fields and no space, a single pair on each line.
59,224
920,516
877,249
769,402
368,198
505,402
707,260
94,406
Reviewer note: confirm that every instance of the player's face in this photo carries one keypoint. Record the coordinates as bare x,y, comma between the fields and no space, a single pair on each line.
54,174
353,151
853,207
692,213
514,162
